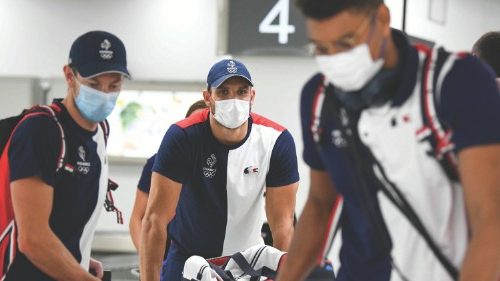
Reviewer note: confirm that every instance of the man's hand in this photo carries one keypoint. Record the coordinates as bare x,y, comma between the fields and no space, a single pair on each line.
96,268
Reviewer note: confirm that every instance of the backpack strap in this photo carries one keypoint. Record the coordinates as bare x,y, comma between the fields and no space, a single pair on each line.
8,229
317,107
52,109
109,202
437,132
438,64
225,275
334,222
105,128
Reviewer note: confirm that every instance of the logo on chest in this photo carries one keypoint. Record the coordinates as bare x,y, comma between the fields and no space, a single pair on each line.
209,170
251,170
338,139
82,166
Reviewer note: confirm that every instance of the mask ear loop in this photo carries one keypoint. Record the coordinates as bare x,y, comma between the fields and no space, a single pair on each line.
75,94
383,48
373,23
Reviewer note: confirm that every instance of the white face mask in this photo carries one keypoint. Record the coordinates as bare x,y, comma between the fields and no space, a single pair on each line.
232,113
350,70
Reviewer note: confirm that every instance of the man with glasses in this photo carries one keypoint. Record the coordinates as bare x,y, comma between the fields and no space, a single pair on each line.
56,172
210,177
384,126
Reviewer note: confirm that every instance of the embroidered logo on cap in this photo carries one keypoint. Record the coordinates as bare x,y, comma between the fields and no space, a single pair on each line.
106,54
231,67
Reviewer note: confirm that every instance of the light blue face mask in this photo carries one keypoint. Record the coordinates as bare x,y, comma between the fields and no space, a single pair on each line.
95,105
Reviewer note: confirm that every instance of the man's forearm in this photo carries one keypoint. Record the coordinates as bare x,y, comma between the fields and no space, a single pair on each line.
135,231
282,237
482,261
306,244
51,256
153,238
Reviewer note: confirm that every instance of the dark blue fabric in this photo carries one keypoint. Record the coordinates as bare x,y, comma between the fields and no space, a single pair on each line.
201,215
470,104
33,152
309,91
185,156
283,168
173,265
97,52
34,149
363,255
145,180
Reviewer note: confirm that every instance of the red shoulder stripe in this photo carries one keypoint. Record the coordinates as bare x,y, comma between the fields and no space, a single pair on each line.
195,118
463,55
261,120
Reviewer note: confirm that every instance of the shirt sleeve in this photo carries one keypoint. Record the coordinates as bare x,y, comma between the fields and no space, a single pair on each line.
34,149
470,104
172,159
145,180
283,168
310,153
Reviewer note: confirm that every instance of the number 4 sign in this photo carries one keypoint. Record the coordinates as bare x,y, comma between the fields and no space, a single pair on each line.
282,10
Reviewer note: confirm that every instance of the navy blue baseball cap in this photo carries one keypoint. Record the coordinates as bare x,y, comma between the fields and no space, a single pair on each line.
226,69
98,52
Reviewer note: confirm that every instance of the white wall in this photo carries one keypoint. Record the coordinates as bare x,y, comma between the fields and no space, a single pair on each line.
165,39
15,94
465,21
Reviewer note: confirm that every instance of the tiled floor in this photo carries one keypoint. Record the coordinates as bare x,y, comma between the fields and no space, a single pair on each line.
120,265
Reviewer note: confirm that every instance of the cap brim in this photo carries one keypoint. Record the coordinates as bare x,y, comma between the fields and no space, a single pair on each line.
221,80
92,70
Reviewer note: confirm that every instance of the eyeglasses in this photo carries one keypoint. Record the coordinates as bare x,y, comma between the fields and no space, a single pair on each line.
343,44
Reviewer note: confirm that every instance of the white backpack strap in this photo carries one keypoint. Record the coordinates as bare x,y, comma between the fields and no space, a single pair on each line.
62,152
432,99
319,99
105,129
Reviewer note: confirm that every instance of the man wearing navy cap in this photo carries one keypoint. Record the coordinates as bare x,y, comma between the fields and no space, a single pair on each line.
56,205
212,171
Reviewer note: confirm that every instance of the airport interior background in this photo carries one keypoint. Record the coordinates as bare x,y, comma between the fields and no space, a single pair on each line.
171,45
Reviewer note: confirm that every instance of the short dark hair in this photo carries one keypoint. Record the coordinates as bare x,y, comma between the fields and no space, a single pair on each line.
487,48
323,9
195,106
